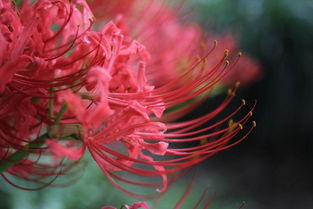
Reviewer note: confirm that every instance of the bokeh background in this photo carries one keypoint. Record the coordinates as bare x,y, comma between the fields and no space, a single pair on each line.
273,168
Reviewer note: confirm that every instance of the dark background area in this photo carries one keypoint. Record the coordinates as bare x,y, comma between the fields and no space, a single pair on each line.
273,168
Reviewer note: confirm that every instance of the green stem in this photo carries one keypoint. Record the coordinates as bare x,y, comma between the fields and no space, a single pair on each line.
21,154
17,3
51,103
60,114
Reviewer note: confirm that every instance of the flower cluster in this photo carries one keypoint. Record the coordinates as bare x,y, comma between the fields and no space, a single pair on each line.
69,84
173,44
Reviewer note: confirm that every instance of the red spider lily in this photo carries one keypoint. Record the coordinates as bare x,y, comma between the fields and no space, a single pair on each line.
71,88
48,57
173,44
132,129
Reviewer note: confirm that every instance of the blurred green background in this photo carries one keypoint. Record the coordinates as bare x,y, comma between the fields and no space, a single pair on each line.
273,169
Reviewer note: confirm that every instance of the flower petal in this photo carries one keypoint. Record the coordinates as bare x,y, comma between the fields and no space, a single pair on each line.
60,150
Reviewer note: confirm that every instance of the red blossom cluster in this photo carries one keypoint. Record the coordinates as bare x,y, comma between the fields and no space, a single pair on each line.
69,83
173,44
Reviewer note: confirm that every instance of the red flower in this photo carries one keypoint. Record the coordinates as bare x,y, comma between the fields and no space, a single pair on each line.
172,43
71,88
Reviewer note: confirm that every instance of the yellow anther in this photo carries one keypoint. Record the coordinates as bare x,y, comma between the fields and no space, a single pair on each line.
202,45
198,58
230,123
230,92
205,61
237,84
243,101
227,62
254,123
250,113
226,52
239,54
240,126
215,42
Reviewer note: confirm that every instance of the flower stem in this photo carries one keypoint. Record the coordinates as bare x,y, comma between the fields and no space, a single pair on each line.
51,101
21,154
60,114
